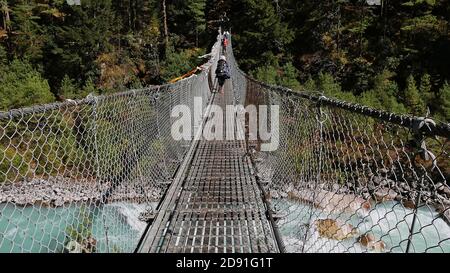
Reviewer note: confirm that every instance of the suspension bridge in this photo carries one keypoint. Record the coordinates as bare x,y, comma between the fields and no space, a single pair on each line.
105,174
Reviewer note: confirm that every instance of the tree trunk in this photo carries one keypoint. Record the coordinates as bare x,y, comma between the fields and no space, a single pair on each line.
6,19
129,15
166,32
135,16
196,36
277,5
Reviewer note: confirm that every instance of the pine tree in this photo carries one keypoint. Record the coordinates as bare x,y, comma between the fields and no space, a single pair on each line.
29,39
444,98
258,28
4,7
197,14
86,33
214,9
68,88
3,55
288,77
187,20
412,97
89,88
425,89
309,85
266,74
385,92
326,84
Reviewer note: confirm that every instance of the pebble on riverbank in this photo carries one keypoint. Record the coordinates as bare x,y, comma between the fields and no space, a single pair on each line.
332,202
58,191
341,199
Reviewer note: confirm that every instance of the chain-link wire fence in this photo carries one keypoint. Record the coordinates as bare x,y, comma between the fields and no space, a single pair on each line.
347,178
343,181
87,175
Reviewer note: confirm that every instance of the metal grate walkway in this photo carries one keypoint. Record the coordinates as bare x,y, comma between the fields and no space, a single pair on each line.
217,206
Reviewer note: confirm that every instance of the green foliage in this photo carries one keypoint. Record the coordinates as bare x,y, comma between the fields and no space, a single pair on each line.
358,27
418,2
309,85
82,229
285,75
371,99
89,88
196,11
353,43
22,85
111,149
267,74
56,149
259,29
116,249
29,40
288,77
85,33
423,24
68,88
327,85
3,55
179,63
412,98
105,46
188,20
425,89
12,165
45,150
385,93
444,98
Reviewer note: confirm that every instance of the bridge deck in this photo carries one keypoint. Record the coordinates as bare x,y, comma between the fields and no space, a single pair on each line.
217,207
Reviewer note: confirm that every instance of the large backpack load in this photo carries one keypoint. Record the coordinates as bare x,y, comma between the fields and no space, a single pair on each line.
222,70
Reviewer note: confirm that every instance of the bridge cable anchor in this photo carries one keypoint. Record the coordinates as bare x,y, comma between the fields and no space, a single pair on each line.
419,126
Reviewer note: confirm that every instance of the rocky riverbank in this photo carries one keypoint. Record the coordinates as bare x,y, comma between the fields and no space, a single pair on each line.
337,198
330,202
371,187
58,191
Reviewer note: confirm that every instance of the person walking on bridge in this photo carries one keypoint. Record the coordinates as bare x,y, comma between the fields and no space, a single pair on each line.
224,43
222,72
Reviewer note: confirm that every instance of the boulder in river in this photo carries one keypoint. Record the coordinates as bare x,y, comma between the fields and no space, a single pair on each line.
369,241
384,194
443,189
73,247
408,203
89,245
334,229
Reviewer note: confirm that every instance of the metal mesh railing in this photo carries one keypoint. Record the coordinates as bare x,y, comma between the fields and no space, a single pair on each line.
86,176
347,178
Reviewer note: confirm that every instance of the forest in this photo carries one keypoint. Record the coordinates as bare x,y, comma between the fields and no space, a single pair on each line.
391,55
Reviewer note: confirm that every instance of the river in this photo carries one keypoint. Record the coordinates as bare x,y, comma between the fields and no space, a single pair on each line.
34,229
388,221
117,229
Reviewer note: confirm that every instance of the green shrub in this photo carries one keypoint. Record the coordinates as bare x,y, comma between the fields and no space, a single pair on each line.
12,165
22,85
